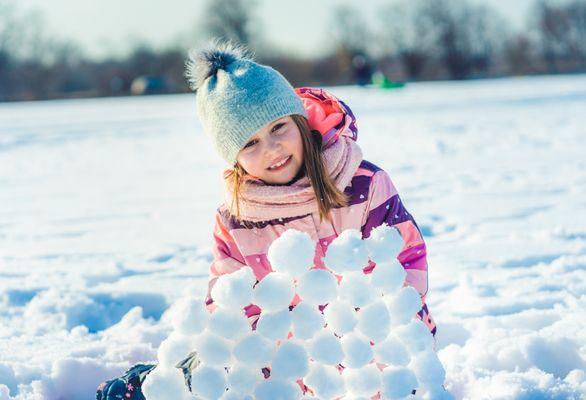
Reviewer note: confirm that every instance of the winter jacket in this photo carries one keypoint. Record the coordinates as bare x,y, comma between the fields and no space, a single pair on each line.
373,200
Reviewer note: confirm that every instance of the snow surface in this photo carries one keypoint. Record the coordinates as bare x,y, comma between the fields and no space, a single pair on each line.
107,205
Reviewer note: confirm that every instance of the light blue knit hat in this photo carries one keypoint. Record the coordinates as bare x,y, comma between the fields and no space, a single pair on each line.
236,96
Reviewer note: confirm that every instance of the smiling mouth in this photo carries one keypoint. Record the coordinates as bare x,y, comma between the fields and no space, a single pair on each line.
280,165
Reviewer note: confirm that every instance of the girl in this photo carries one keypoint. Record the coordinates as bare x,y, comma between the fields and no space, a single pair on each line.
294,163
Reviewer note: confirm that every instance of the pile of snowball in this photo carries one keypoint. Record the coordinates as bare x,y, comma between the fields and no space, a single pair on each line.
366,343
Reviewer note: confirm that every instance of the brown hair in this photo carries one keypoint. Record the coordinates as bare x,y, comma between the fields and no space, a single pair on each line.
327,194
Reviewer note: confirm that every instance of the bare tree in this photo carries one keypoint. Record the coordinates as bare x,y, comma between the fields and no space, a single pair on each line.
230,19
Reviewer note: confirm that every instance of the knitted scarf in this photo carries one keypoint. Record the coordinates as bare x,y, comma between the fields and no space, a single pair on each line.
262,202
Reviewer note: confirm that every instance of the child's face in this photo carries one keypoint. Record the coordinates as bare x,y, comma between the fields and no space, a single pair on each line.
264,153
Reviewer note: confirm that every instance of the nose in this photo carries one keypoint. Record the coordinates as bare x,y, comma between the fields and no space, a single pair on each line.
273,146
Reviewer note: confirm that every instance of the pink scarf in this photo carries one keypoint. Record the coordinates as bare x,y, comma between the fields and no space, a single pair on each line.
262,202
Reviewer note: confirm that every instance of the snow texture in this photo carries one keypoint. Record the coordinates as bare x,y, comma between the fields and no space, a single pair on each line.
106,214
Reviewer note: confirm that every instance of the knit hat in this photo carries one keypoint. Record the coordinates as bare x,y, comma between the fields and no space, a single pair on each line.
236,96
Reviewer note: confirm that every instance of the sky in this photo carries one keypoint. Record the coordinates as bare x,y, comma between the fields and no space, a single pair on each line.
108,27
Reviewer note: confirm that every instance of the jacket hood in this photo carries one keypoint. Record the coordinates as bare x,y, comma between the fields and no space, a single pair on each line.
328,114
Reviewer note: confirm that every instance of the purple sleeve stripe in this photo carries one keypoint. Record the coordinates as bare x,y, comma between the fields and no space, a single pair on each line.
391,211
358,190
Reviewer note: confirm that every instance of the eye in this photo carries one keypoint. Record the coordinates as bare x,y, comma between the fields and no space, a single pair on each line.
277,127
250,144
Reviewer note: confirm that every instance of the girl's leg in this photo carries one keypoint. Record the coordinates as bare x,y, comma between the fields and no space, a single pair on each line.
126,387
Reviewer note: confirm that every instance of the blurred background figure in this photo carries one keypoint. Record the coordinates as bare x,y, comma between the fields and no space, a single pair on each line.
362,70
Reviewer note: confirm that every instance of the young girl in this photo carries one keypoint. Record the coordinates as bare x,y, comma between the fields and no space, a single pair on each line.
294,164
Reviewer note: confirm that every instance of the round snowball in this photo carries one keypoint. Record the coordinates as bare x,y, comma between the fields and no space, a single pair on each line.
428,369
416,336
189,316
374,321
340,316
174,348
165,383
274,292
255,350
398,382
213,349
326,348
391,351
347,252
208,382
274,325
233,395
357,350
384,243
388,277
325,381
292,252
404,305
365,381
290,362
234,290
229,323
307,321
243,379
317,286
356,289
276,389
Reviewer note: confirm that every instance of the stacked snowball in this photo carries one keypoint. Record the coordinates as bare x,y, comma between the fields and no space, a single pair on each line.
368,326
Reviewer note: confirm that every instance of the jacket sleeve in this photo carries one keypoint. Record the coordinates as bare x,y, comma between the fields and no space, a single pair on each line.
385,206
227,258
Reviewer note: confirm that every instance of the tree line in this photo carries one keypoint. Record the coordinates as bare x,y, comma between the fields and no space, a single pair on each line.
411,41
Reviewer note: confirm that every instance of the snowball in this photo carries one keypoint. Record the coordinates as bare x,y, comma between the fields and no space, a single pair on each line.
274,292
276,389
255,350
242,378
384,243
274,325
290,362
347,252
437,393
416,336
232,395
189,315
208,382
234,290
398,382
325,381
307,320
317,286
340,316
174,348
355,288
165,383
365,381
326,348
374,321
213,349
428,369
388,277
404,305
229,323
391,351
292,252
357,350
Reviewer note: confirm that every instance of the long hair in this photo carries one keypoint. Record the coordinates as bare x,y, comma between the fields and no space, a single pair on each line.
328,196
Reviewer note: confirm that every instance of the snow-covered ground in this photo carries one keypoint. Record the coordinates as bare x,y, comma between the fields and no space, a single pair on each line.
106,211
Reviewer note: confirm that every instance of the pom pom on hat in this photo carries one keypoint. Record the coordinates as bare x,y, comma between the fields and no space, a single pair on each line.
206,62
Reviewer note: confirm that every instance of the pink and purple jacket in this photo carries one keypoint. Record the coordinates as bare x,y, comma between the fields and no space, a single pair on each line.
373,200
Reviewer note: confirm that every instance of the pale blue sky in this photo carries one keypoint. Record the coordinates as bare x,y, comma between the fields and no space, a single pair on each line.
114,26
